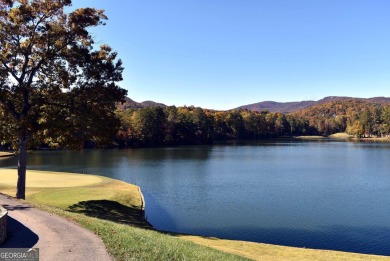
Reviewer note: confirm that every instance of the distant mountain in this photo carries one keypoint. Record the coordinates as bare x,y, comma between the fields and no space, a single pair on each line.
283,107
152,104
288,107
349,107
131,104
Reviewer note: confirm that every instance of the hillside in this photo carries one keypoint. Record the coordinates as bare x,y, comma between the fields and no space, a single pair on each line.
336,106
283,107
289,107
359,117
131,104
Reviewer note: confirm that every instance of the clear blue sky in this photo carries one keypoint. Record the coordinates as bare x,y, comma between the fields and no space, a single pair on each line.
221,54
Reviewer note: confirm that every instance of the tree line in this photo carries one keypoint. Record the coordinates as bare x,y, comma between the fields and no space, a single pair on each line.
354,116
169,126
160,126
372,122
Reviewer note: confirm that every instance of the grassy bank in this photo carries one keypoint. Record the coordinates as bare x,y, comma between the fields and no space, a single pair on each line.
111,209
340,135
313,137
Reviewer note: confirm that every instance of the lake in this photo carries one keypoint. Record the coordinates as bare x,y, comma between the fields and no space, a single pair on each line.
315,194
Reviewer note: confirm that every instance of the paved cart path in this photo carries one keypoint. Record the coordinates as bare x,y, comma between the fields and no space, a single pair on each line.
56,237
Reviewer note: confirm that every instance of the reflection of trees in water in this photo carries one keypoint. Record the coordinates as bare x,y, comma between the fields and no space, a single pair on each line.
177,153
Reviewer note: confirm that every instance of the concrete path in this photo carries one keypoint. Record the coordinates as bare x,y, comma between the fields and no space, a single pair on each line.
56,237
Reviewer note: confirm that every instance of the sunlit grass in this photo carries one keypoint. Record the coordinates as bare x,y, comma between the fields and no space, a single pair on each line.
340,135
259,251
49,179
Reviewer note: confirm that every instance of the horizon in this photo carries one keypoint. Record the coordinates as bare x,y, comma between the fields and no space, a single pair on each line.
248,104
224,54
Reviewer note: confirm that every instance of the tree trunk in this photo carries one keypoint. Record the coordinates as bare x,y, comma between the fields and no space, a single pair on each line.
22,164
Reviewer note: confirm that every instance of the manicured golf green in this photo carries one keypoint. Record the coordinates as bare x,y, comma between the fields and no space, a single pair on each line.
42,179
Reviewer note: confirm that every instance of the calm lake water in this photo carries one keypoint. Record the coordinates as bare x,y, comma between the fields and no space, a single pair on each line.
314,194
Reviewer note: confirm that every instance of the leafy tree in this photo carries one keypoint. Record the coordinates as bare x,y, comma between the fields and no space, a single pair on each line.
270,121
53,84
255,124
236,124
376,120
281,124
171,113
221,128
149,126
341,123
385,129
204,126
367,120
185,126
357,129
385,117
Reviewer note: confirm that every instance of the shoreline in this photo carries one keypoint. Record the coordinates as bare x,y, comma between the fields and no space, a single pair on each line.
342,138
143,203
371,139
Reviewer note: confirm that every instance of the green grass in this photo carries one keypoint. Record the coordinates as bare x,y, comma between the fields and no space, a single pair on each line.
112,210
259,251
126,242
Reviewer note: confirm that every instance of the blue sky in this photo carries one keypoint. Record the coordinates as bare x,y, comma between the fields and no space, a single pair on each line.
221,54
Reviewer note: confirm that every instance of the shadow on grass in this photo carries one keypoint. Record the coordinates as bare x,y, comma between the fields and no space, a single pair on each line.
16,207
113,211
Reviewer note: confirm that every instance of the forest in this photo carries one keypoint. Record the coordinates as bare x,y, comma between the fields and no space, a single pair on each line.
160,126
157,125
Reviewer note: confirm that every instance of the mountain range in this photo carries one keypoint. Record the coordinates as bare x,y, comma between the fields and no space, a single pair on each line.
288,107
272,106
131,104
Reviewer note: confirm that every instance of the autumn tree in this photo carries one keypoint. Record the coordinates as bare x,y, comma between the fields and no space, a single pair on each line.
204,130
54,84
357,129
367,120
236,124
281,124
254,123
385,117
149,126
